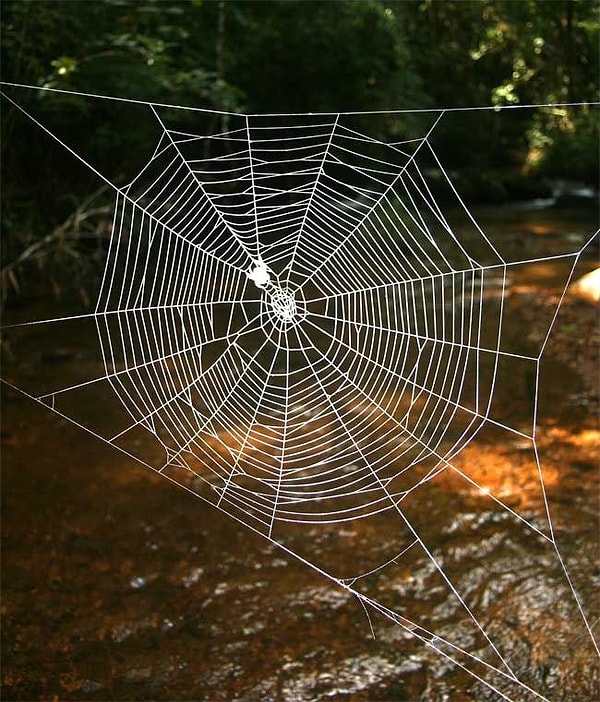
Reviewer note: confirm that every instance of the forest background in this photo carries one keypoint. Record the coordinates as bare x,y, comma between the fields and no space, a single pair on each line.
283,56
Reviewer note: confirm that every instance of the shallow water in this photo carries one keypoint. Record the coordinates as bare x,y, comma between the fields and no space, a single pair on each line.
120,586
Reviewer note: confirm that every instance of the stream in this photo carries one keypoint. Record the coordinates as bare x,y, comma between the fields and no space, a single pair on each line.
118,585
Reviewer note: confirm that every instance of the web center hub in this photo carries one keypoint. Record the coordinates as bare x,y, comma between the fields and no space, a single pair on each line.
283,303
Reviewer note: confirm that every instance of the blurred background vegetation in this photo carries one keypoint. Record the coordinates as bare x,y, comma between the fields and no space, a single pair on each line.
280,56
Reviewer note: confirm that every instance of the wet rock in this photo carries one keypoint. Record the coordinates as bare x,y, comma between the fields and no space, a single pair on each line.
137,675
587,287
577,200
84,544
59,355
88,686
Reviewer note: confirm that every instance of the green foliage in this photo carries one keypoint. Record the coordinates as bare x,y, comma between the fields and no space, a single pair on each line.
144,49
481,52
557,137
321,56
310,55
160,51
293,56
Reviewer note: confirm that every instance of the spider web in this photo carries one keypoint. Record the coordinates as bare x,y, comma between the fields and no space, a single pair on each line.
300,334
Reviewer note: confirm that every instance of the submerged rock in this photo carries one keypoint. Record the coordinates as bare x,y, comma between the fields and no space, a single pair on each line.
588,287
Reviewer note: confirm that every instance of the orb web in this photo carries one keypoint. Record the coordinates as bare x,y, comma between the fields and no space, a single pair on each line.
309,337
349,316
